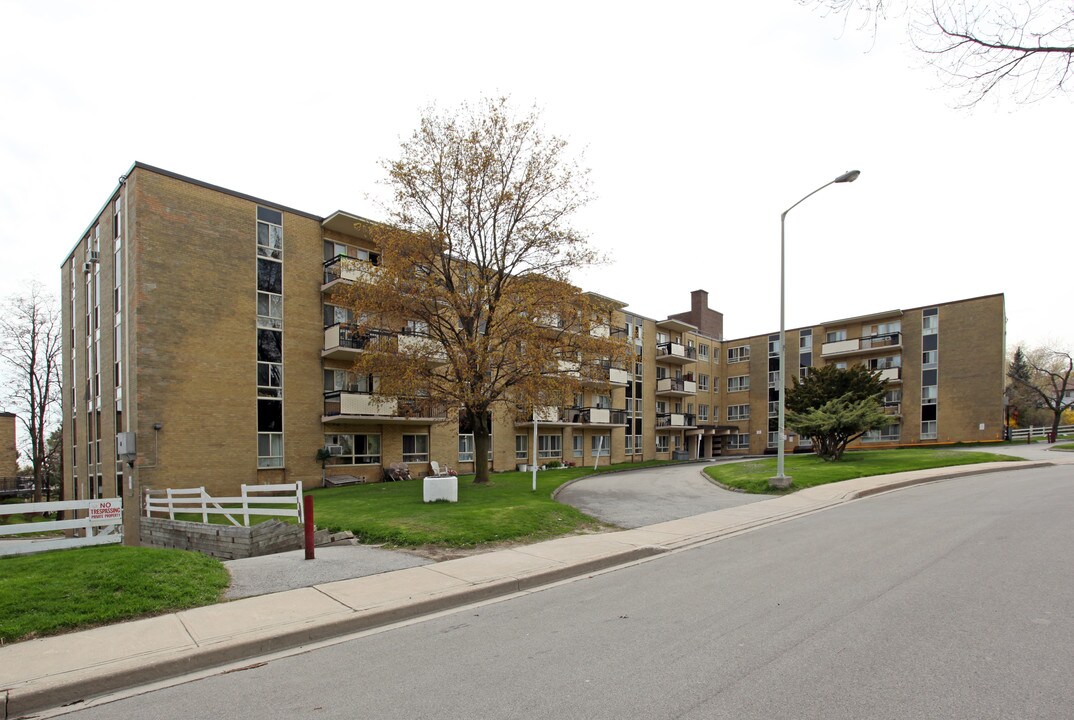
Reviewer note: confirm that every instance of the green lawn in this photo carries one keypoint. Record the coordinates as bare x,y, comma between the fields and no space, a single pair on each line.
1064,446
60,590
810,470
505,509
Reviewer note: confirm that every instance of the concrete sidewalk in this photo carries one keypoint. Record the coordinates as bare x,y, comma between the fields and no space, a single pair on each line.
41,674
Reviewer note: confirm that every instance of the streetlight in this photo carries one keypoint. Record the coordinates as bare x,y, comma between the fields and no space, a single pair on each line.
781,481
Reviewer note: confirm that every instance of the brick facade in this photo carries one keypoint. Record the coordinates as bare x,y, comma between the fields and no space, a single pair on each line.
182,312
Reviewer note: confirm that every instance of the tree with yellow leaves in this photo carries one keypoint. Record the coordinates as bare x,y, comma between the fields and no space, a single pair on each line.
471,302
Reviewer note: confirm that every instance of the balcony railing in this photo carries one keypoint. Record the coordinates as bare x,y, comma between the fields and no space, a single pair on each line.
675,386
342,338
358,404
873,342
674,420
676,352
892,374
572,416
348,269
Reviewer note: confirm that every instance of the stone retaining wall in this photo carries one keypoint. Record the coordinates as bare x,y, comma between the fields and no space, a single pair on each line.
226,542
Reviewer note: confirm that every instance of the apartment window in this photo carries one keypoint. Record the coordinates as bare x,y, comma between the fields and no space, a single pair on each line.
740,441
893,397
888,433
577,446
269,449
835,335
629,444
549,446
522,449
738,354
773,378
930,321
773,345
702,381
601,445
884,363
841,365
773,439
773,408
928,395
887,328
661,407
738,412
805,341
702,412
269,326
334,314
358,449
662,444
929,358
703,352
661,372
928,430
604,402
662,338
269,380
415,448
637,369
737,383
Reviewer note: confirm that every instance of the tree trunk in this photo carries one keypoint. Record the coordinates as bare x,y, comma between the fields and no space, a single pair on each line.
479,422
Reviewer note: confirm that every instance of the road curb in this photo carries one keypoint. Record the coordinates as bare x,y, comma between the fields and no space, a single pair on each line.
898,485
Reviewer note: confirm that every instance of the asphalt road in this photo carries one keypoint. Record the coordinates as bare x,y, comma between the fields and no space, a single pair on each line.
646,497
947,600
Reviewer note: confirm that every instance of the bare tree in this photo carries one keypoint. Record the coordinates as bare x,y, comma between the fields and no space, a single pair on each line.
1024,47
1051,377
30,335
470,304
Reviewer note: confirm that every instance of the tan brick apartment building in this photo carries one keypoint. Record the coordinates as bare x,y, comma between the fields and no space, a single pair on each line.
203,320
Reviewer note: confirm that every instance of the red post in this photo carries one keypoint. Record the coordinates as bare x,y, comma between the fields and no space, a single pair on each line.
307,511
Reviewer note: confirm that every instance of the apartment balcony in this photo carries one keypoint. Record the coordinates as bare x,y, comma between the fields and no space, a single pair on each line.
341,406
893,409
676,387
606,375
675,353
343,269
432,351
343,341
676,420
549,416
888,341
893,374
618,376
602,416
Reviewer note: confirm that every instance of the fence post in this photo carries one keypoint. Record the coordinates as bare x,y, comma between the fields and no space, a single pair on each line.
307,503
204,505
245,507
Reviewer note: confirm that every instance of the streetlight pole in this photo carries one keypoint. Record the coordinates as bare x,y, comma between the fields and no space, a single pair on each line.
781,481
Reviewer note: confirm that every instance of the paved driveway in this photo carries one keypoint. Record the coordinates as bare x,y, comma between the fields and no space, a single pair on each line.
644,497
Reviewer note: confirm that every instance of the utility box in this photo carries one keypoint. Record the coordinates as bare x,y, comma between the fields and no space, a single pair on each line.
125,446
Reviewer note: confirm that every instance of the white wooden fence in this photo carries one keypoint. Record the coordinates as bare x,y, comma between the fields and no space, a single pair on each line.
1042,431
252,501
102,525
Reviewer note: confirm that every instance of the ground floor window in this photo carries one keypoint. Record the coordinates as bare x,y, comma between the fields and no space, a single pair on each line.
601,445
662,443
888,433
357,449
629,444
549,446
522,450
741,441
773,439
416,448
928,430
578,445
466,447
269,450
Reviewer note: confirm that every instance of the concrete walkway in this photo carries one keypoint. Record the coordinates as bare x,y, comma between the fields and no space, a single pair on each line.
46,673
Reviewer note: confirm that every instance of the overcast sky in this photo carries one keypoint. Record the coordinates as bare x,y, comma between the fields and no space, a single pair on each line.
701,122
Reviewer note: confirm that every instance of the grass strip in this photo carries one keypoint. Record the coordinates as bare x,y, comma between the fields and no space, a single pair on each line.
809,470
58,590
